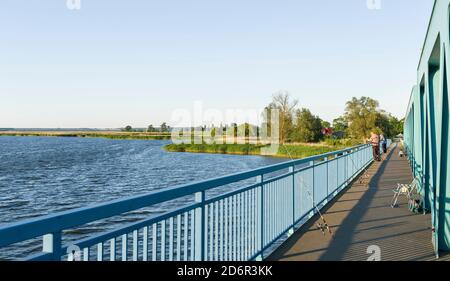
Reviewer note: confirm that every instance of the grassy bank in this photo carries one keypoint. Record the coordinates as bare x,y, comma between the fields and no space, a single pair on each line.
93,134
294,150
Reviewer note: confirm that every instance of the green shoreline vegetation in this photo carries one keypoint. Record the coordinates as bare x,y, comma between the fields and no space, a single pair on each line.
301,133
298,150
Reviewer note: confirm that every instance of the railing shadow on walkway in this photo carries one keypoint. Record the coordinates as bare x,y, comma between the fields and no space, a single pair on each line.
360,217
291,241
344,235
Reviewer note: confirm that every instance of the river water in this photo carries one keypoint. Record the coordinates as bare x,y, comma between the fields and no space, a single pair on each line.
43,175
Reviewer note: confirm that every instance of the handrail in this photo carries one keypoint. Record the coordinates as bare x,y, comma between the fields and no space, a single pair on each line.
54,224
27,229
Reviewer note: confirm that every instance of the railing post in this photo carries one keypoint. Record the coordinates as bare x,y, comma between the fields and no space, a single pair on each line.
346,168
51,243
200,227
313,211
260,179
337,172
328,194
292,170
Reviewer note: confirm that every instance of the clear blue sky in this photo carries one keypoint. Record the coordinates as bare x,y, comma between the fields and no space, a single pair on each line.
113,63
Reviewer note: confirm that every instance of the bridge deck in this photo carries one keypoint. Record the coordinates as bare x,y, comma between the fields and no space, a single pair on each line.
362,217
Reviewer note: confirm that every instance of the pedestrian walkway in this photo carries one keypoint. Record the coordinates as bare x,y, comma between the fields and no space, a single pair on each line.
362,217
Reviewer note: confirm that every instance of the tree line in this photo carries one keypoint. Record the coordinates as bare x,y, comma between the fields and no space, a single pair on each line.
361,117
163,128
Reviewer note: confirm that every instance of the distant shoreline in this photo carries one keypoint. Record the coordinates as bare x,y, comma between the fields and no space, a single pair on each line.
90,134
294,150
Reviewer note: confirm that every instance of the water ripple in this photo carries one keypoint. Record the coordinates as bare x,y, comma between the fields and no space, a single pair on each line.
44,175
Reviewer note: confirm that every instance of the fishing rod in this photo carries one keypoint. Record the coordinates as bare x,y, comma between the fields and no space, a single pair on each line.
323,225
365,175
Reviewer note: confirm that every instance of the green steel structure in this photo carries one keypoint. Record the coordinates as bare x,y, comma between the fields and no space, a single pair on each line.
426,136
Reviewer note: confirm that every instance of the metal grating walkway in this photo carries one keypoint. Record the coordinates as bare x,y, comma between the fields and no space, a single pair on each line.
362,217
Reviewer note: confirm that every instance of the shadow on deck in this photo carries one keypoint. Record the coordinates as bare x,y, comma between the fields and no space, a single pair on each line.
361,217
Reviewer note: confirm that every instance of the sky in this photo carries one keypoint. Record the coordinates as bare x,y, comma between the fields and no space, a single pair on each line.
113,63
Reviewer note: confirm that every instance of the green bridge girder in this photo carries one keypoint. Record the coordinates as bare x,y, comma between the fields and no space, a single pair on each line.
427,124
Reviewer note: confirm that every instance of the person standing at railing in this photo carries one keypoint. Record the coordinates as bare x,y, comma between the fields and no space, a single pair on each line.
383,143
375,141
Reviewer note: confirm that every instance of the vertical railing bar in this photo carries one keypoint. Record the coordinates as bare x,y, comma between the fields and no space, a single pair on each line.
216,231
255,221
186,236
226,230
124,247
248,225
269,200
145,244
112,251
51,243
293,200
154,242
261,222
278,219
171,239
234,238
222,231
266,208
163,240
210,256
100,251
192,228
135,245
244,225
200,228
239,227
283,203
346,168
337,172
313,183
252,222
327,166
272,210
179,237
86,254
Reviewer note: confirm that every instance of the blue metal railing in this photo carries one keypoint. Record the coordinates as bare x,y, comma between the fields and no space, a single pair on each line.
242,224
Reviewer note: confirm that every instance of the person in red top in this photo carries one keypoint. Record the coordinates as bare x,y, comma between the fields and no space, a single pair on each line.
375,141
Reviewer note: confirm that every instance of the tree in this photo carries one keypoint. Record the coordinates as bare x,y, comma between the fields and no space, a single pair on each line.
361,116
389,125
128,128
325,124
282,102
383,122
308,127
151,129
235,132
340,124
164,128
397,126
